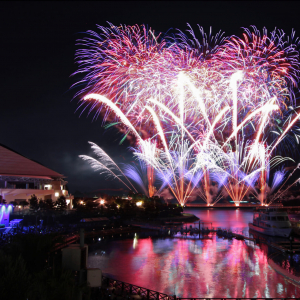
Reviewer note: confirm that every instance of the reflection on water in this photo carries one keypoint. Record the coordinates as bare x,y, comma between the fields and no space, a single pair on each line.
196,268
235,219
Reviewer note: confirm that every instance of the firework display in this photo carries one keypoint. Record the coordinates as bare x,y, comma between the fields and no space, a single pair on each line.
211,117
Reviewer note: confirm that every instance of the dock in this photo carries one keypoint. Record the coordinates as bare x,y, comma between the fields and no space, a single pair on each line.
101,233
201,232
198,230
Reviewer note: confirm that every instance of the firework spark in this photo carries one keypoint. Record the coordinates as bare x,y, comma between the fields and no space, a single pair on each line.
204,112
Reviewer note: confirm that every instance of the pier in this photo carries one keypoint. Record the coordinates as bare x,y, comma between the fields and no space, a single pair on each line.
102,233
198,230
201,230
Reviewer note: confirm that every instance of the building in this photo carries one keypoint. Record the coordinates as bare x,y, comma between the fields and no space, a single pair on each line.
21,177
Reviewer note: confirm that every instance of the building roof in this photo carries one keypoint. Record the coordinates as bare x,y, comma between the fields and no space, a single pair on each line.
13,163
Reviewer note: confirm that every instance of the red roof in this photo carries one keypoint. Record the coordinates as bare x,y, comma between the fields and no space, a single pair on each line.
13,163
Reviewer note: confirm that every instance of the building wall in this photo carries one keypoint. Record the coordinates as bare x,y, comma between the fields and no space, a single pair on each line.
25,194
19,188
19,195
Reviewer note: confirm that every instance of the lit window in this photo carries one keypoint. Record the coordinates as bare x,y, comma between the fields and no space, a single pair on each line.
47,186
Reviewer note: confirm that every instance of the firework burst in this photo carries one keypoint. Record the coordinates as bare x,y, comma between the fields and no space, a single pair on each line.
208,112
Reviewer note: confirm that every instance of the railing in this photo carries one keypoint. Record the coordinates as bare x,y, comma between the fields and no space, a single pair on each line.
120,288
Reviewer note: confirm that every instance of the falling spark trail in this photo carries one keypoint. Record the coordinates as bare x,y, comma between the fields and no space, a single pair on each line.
181,98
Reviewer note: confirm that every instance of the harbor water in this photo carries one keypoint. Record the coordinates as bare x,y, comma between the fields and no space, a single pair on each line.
210,267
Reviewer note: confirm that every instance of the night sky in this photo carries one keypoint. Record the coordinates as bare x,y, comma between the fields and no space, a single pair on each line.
38,117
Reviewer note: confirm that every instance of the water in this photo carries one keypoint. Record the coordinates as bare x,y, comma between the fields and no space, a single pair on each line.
209,268
234,219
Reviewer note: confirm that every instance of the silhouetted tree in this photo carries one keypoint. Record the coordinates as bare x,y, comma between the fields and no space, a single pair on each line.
24,203
49,203
90,204
14,203
61,202
42,204
33,202
2,201
46,204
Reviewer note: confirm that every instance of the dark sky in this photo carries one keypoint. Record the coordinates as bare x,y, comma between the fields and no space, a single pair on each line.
38,118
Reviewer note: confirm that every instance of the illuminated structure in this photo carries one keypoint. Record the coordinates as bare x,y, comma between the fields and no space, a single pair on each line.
5,210
21,177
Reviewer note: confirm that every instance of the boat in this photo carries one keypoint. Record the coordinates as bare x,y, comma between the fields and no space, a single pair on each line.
273,222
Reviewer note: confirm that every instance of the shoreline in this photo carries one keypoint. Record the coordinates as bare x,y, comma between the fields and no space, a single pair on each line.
184,218
230,206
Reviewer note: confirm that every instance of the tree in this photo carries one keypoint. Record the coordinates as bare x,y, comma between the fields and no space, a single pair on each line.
24,203
46,204
90,204
2,201
76,202
49,203
42,204
120,202
33,202
61,202
14,203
